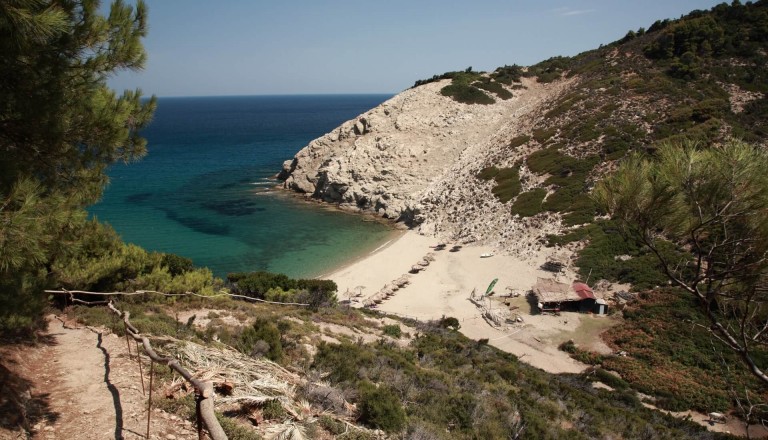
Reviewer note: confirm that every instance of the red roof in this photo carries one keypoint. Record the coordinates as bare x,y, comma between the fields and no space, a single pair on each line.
583,290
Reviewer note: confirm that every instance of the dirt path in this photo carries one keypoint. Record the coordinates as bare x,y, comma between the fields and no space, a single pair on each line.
82,384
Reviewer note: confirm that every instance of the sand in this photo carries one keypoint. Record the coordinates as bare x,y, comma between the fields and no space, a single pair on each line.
444,287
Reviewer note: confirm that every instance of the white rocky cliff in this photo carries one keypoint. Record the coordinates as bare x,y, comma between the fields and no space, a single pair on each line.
414,159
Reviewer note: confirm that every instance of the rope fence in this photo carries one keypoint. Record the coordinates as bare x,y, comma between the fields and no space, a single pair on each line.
204,393
143,292
204,409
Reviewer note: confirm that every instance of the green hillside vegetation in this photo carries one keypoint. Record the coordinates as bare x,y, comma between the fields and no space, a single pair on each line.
470,87
668,361
667,84
442,385
507,182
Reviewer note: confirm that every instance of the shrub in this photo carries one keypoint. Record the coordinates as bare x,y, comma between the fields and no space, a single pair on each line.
508,74
392,330
273,410
253,339
494,88
543,134
528,203
176,264
257,284
449,322
518,141
380,408
507,182
466,94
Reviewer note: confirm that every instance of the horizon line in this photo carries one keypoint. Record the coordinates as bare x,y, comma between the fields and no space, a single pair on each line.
274,94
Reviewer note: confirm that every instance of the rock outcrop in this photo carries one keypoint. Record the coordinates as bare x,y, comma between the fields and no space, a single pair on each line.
415,158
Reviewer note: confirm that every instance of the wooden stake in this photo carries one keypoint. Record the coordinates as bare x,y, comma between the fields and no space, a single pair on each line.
127,340
141,369
149,405
198,415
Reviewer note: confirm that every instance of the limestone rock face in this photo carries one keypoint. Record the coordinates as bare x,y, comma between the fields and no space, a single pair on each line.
414,159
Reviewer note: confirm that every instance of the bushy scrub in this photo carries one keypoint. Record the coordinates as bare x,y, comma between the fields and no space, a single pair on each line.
380,408
316,293
263,338
392,330
528,203
507,182
466,94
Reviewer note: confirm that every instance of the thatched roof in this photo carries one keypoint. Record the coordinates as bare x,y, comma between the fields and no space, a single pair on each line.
548,290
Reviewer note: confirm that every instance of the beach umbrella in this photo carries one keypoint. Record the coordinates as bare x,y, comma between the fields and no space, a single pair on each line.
416,268
402,281
423,263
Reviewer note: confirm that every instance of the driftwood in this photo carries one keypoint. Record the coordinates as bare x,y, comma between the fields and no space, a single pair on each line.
203,390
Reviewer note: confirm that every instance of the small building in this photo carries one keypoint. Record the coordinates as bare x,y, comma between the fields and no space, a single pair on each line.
554,296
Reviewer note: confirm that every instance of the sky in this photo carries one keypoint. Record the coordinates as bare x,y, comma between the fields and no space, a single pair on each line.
260,47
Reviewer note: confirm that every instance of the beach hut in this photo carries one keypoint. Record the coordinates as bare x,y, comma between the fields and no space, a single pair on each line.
601,307
555,296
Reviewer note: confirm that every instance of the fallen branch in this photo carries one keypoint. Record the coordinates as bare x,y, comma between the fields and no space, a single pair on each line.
204,390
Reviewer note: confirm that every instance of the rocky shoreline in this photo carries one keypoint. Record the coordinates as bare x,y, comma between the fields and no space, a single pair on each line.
414,160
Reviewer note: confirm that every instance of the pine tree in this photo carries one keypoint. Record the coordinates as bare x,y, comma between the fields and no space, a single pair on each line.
60,127
713,204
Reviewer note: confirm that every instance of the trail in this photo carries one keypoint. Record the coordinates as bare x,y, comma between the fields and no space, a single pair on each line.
84,385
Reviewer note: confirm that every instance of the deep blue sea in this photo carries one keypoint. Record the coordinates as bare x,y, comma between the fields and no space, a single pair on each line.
204,189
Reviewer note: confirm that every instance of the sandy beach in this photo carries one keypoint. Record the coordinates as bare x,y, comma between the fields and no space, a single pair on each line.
443,289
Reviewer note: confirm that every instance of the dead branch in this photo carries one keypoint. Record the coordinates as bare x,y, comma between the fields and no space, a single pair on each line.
203,389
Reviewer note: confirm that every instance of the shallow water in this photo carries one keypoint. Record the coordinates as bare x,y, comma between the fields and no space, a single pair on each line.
204,189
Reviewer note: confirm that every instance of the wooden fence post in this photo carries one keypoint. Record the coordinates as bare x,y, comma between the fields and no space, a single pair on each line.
127,339
141,369
149,404
198,415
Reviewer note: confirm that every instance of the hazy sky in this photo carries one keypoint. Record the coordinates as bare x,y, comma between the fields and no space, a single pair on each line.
253,47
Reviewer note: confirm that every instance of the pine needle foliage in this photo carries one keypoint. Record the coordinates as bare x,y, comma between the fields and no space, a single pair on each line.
60,127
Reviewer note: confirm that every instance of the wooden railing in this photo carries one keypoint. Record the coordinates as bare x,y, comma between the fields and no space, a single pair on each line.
204,393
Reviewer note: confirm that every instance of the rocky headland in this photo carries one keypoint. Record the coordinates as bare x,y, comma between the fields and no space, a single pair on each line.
415,159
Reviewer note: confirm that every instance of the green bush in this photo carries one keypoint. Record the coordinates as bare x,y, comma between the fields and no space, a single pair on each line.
235,430
529,203
263,338
317,293
493,87
507,182
543,134
449,322
176,264
331,425
380,408
392,330
466,94
273,410
519,140
546,160
508,74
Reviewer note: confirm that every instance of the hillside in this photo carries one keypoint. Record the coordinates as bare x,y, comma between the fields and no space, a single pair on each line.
506,159
336,373
426,159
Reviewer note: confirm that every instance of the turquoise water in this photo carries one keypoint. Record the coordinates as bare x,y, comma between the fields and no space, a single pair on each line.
204,189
